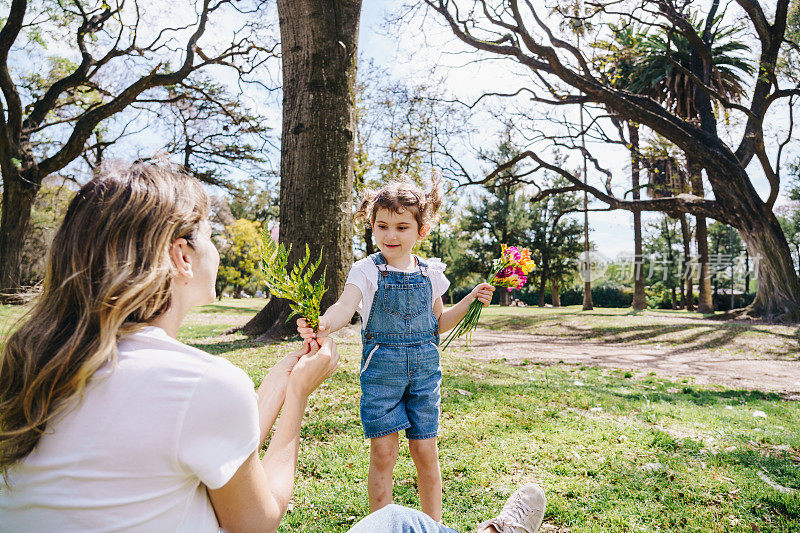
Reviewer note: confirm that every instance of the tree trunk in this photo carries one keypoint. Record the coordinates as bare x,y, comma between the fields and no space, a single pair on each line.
505,297
715,299
588,305
555,295
688,301
318,43
778,288
670,259
778,285
747,270
705,303
18,198
542,288
639,298
369,246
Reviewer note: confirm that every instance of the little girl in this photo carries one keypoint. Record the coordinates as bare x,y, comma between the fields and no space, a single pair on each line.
402,315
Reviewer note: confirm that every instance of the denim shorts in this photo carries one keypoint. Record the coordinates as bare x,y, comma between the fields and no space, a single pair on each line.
400,389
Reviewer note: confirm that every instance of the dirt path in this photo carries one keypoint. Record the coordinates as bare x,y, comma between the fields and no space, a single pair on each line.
757,372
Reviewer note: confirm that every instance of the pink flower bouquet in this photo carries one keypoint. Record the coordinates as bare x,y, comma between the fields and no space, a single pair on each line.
510,270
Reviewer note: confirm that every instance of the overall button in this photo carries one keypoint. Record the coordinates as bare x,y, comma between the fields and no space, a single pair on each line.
368,336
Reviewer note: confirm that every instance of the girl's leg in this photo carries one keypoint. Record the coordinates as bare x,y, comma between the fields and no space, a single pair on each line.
383,452
425,454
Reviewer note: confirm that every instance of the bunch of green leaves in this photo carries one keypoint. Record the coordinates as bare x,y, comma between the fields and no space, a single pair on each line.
296,286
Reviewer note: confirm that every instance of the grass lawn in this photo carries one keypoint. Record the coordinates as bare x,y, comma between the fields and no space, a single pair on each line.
614,451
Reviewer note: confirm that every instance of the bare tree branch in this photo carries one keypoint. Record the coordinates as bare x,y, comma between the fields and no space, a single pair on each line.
8,35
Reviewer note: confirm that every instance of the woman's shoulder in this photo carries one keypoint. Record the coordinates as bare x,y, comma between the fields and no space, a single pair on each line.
152,346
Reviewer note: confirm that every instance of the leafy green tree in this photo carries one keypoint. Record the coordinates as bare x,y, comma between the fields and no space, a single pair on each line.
664,258
726,246
663,64
790,217
658,64
240,250
790,223
254,200
555,238
668,177
497,215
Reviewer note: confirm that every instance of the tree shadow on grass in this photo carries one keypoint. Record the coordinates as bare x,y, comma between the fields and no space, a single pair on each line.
702,396
709,338
625,333
220,309
223,347
689,337
515,321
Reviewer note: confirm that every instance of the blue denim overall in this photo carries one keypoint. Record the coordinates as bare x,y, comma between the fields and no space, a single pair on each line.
400,372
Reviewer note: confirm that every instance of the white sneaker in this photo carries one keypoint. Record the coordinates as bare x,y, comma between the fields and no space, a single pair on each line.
522,513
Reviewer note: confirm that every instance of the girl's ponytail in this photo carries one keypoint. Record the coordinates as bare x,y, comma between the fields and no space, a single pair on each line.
433,199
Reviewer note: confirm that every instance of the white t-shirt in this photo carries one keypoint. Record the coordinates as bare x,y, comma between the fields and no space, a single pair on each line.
364,275
139,451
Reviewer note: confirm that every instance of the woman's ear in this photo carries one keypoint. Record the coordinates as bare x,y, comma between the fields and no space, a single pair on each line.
182,254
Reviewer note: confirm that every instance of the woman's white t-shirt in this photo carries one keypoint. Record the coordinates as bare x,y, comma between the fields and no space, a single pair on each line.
137,453
364,275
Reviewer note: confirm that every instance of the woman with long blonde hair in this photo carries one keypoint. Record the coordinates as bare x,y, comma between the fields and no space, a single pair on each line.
107,422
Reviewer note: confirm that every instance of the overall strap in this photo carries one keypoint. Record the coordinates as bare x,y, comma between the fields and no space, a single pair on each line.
380,262
377,258
422,265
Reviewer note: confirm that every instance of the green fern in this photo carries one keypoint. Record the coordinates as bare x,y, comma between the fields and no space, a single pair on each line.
296,286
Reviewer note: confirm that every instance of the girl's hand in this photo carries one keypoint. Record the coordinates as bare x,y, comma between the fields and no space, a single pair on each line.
307,332
483,293
311,370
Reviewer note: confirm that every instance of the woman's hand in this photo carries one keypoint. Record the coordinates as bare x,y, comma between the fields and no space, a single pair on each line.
278,376
314,368
483,293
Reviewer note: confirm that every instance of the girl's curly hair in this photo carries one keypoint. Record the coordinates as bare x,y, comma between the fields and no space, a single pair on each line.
403,194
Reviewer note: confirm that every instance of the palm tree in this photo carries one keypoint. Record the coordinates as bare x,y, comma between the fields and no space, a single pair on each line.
656,75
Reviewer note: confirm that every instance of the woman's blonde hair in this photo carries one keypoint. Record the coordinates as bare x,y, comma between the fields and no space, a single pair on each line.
108,272
400,195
